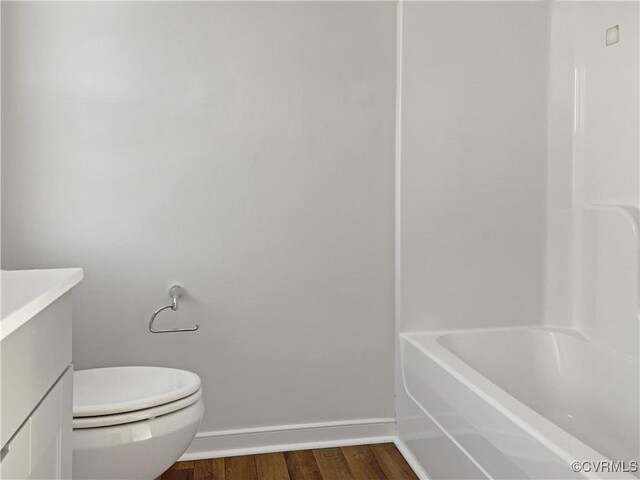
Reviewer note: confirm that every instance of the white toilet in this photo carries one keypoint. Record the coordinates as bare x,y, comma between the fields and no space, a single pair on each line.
132,422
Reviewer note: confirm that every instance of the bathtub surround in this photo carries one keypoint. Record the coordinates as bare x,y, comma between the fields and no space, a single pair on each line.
473,164
538,224
594,173
242,150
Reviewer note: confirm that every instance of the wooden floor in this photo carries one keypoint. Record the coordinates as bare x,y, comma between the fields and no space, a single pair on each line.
382,461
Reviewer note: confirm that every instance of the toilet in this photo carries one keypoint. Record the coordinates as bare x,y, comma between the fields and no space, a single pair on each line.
133,422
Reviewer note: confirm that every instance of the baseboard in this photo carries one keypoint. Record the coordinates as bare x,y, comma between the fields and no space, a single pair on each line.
411,460
282,438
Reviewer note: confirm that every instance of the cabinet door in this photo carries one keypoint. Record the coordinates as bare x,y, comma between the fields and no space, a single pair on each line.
66,424
42,448
15,455
45,437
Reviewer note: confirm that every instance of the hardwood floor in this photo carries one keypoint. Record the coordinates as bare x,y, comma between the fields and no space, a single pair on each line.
382,461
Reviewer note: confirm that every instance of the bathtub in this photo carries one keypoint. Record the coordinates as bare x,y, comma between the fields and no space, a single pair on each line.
528,402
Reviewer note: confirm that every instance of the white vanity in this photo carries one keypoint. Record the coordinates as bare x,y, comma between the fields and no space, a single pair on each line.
36,374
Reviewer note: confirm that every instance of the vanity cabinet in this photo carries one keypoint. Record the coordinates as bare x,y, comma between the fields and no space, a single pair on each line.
36,384
41,448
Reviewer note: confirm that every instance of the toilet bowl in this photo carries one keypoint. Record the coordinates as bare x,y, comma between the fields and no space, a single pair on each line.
133,422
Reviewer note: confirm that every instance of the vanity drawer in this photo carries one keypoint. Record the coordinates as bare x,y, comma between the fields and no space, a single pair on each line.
32,359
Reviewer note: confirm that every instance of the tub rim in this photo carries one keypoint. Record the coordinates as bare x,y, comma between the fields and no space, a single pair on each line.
560,442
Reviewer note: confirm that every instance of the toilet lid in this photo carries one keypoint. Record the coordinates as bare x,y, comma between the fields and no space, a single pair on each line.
138,415
107,391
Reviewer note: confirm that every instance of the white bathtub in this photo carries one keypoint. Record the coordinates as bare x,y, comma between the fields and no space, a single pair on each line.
527,402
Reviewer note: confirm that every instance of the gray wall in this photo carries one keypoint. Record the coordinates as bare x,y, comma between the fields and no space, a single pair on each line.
243,150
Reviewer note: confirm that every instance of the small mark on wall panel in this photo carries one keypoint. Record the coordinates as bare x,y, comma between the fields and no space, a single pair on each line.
612,35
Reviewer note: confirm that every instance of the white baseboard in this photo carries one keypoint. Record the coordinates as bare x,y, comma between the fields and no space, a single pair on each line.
411,460
282,438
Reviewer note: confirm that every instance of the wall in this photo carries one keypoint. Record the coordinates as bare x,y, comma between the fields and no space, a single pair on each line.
594,172
243,150
473,164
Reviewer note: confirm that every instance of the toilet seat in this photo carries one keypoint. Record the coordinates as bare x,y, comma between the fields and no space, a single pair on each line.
120,391
133,422
136,416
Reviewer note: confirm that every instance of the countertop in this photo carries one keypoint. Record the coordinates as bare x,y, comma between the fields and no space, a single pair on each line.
25,293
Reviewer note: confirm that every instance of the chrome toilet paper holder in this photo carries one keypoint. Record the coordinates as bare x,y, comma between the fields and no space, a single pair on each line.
175,293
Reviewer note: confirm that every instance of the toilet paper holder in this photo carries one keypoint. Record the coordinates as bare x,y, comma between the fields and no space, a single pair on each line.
175,293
